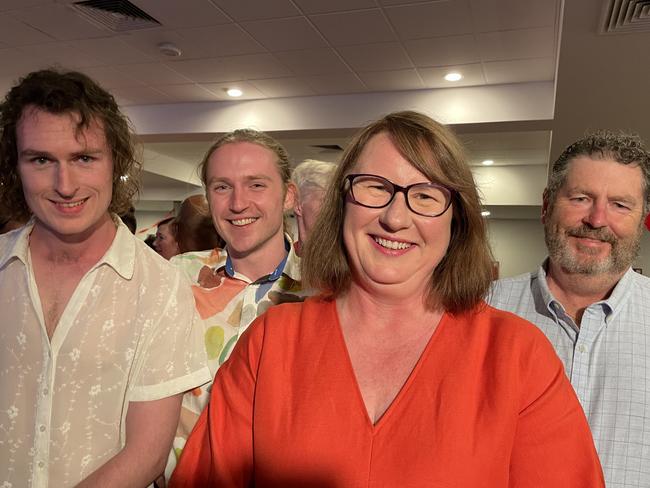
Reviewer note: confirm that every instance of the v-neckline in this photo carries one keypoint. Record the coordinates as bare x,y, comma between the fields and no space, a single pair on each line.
402,392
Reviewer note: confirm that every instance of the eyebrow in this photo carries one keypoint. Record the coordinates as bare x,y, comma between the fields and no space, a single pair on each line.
246,178
36,152
628,198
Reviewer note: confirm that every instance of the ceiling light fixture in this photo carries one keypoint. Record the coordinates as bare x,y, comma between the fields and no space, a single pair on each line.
169,49
234,92
487,162
485,213
453,76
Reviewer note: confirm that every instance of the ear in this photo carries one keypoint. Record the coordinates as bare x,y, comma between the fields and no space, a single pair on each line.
290,196
297,208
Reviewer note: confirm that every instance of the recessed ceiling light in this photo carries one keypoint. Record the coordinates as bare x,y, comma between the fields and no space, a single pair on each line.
487,162
453,77
485,213
234,92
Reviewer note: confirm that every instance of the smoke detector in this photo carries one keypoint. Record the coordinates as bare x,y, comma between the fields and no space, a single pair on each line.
169,49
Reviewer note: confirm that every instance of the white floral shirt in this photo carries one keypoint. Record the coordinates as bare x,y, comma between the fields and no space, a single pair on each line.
127,334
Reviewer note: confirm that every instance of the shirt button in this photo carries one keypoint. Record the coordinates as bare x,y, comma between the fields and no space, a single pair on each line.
582,348
42,428
41,464
46,392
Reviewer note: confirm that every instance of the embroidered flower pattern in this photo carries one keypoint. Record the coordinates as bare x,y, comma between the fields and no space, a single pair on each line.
128,354
85,460
74,354
12,412
95,390
21,338
108,325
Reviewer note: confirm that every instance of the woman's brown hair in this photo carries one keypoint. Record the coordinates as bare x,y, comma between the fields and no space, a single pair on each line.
462,278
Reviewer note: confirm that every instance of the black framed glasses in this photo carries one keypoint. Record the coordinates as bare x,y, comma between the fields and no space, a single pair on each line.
373,191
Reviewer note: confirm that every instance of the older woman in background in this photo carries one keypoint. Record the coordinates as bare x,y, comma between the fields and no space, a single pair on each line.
311,178
398,374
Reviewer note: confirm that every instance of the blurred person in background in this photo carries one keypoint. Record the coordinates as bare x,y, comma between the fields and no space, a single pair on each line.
193,227
165,242
311,178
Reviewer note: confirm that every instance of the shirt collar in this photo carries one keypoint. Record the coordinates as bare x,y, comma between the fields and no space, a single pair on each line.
287,265
622,289
15,244
120,255
613,303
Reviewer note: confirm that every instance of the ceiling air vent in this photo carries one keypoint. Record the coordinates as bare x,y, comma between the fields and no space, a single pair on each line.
625,16
116,15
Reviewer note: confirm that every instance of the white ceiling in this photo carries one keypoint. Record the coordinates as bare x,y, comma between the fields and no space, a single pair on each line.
284,48
313,71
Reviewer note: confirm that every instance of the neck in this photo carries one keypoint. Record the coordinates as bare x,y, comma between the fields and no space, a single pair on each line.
260,262
577,291
85,249
385,310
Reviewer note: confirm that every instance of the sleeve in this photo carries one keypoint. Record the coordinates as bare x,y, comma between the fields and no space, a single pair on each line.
219,452
172,356
553,445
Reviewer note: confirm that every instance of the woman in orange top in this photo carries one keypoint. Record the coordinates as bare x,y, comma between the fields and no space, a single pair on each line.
398,375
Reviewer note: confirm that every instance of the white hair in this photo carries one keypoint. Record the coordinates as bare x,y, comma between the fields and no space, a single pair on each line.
312,174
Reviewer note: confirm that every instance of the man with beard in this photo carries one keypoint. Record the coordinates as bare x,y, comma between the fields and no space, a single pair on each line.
587,299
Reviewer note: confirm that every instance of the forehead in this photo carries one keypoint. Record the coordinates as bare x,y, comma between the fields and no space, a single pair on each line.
604,175
241,160
381,156
40,127
164,228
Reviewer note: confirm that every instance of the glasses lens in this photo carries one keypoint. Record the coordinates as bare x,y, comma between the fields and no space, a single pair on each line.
428,199
371,191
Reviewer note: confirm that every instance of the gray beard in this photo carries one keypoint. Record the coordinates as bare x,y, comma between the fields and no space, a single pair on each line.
622,255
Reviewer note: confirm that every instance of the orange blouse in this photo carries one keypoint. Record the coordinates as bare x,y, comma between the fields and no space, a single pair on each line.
487,405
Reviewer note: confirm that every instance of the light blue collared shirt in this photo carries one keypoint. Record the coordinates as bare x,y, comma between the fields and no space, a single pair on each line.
607,360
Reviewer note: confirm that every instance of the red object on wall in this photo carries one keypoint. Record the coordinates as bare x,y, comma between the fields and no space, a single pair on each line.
647,221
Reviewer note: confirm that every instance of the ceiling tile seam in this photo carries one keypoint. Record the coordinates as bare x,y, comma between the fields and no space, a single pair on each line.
222,11
336,52
475,35
108,35
179,33
26,24
401,43
268,51
9,12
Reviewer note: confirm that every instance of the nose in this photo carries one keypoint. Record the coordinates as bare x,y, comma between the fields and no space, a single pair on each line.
396,215
238,200
65,184
597,214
